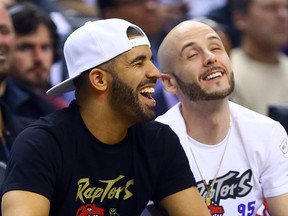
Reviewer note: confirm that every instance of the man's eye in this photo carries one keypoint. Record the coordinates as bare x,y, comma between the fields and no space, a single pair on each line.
47,47
192,55
138,63
24,48
215,48
4,31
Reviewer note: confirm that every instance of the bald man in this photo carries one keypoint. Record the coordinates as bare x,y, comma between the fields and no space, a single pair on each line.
238,156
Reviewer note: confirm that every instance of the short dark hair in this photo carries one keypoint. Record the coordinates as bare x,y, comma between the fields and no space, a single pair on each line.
26,18
106,3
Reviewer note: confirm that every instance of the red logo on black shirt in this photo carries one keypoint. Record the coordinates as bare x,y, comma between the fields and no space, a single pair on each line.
90,209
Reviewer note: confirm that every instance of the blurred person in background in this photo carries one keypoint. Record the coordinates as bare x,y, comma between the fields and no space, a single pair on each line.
36,49
7,2
198,8
223,16
10,124
78,8
58,70
260,66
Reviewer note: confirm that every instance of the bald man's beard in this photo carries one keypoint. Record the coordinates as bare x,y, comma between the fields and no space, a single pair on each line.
194,92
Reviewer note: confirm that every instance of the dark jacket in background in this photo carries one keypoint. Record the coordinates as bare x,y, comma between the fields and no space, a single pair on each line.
24,102
13,125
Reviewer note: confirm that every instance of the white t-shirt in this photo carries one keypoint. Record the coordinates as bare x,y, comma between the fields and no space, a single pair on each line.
255,164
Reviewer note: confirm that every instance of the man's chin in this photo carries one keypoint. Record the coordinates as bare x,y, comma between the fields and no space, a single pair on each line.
147,115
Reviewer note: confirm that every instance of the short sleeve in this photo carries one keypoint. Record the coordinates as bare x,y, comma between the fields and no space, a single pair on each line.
175,174
33,163
274,178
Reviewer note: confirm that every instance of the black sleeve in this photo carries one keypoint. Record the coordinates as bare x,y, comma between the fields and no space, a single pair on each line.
175,173
34,163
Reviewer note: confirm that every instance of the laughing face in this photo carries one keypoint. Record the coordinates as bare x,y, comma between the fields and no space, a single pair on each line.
134,80
202,68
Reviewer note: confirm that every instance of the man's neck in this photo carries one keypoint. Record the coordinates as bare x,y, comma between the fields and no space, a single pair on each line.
207,122
268,55
104,124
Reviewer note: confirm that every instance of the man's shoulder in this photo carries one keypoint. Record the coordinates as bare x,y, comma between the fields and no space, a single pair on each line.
153,126
247,116
66,119
171,115
154,131
24,102
14,95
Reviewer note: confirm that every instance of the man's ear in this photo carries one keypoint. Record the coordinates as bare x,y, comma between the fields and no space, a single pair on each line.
169,83
99,79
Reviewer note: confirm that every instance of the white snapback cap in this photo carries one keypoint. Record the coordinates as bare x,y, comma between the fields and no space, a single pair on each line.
94,43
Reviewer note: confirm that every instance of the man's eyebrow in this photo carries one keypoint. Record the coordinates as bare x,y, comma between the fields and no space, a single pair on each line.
5,28
185,46
212,37
25,44
138,58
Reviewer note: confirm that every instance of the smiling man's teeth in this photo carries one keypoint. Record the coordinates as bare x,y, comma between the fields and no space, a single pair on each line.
147,90
214,75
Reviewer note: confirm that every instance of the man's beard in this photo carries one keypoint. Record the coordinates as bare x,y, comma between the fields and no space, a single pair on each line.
195,93
125,99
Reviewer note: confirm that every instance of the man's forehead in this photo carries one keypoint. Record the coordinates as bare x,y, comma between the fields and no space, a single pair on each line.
194,33
135,54
194,27
4,17
138,50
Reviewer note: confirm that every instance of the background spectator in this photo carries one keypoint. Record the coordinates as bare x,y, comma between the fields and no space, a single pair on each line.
260,67
37,43
10,124
199,8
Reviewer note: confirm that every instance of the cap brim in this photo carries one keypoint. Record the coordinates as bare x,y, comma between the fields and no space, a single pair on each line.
65,86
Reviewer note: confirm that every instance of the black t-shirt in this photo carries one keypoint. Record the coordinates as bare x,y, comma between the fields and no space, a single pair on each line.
60,159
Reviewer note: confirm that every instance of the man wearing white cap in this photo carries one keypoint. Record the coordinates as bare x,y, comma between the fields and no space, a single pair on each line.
99,157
